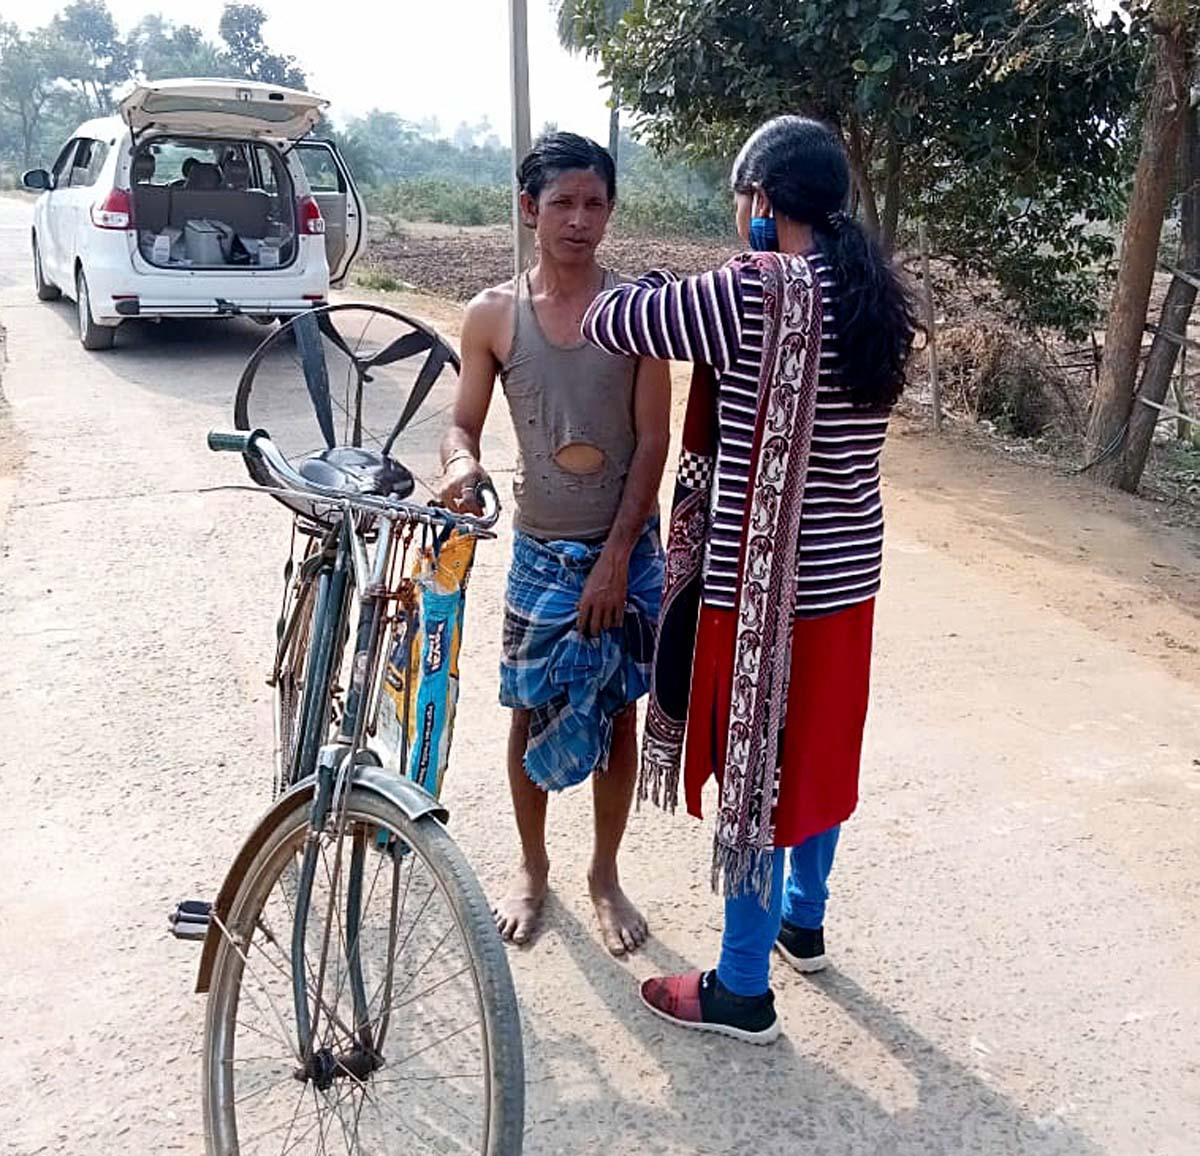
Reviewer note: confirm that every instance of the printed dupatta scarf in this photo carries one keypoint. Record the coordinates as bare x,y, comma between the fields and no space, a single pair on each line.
766,592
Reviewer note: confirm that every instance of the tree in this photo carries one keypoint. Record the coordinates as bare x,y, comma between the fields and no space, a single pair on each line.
92,57
581,23
1023,100
165,51
242,31
1173,27
1173,320
27,82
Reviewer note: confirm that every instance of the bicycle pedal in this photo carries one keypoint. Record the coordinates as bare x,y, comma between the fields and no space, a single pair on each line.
190,919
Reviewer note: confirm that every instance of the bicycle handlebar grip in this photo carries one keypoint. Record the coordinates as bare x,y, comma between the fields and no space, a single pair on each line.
231,443
490,501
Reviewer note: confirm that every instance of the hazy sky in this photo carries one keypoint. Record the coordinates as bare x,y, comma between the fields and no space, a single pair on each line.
418,58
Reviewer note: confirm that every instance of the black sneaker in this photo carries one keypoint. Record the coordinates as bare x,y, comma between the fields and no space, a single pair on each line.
700,1002
803,948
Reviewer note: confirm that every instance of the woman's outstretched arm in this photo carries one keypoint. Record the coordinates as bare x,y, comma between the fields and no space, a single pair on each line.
697,319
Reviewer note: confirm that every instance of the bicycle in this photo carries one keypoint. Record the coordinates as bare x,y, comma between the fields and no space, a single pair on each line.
359,997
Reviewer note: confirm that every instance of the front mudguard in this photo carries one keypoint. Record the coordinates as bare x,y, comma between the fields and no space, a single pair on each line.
414,801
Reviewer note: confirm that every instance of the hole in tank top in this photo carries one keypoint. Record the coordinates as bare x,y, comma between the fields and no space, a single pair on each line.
580,458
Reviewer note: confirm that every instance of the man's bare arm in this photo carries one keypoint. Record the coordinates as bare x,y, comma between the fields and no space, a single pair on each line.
603,603
460,446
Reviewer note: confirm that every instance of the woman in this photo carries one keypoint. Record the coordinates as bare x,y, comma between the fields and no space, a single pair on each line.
764,646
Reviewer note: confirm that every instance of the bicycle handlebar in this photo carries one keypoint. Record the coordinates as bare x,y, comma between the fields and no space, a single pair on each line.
233,443
258,444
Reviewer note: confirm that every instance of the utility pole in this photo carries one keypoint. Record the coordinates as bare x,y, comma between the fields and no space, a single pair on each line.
518,29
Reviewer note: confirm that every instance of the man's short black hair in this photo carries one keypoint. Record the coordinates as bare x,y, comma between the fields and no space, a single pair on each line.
556,153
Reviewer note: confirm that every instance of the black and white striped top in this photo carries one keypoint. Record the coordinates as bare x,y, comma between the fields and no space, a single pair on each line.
716,318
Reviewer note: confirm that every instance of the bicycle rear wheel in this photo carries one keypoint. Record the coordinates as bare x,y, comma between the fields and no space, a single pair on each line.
433,1065
290,676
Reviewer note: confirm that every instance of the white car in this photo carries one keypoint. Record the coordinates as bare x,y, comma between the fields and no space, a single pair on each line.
202,199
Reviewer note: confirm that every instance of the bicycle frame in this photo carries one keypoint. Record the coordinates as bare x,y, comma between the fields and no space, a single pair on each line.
343,572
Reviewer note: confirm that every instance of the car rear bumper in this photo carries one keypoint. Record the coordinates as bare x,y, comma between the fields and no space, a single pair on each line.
129,307
119,290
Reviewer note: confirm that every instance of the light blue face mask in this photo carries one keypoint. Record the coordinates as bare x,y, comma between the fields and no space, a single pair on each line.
764,236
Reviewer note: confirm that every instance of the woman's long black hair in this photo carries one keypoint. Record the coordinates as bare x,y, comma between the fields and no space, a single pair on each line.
801,166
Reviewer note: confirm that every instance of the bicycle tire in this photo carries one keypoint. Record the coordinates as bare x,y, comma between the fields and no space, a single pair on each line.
289,681
300,618
497,1002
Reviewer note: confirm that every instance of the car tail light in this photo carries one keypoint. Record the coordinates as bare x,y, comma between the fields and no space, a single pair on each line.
311,221
115,211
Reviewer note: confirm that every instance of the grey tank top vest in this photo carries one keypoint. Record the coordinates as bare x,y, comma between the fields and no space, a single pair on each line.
560,396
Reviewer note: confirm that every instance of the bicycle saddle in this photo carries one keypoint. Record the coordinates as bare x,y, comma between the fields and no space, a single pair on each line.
359,471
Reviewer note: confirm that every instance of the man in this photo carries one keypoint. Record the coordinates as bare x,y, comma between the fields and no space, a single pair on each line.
583,594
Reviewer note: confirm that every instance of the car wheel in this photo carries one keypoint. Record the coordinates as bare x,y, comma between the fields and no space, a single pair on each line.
92,336
45,291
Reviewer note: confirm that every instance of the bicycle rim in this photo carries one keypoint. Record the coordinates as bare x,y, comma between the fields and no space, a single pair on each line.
440,1009
289,683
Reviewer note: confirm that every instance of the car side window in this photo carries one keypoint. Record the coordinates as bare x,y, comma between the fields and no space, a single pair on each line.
62,167
88,161
322,171
99,157
265,161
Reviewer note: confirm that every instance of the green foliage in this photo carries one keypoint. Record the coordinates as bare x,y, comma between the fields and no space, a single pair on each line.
387,149
90,55
639,210
941,101
247,52
378,280
166,51
76,66
446,202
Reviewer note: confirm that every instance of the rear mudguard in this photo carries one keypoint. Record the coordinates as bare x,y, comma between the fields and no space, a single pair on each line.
415,802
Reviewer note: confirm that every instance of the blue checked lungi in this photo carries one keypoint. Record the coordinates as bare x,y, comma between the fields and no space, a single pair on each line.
573,686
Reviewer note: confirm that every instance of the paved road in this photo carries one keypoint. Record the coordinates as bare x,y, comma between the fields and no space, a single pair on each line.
1016,903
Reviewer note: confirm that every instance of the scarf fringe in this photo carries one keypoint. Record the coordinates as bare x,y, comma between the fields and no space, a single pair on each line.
743,871
658,779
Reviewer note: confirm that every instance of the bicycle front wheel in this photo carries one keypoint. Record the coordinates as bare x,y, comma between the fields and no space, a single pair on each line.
413,1035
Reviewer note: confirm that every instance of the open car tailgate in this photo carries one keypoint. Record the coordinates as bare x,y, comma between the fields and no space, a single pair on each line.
240,108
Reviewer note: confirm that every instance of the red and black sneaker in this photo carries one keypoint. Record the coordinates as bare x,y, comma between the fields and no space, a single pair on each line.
700,1002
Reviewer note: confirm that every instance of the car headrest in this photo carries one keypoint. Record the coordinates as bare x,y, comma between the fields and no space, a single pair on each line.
142,171
204,176
237,173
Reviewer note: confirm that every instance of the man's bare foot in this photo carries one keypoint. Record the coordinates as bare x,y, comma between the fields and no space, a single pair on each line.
622,925
519,914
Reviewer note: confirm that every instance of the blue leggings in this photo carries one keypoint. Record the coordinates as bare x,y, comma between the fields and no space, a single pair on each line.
751,929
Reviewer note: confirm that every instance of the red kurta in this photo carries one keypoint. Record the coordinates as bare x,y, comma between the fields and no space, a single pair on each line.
827,708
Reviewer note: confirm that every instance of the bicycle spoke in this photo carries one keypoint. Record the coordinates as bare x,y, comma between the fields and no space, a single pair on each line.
323,1129
405,1003
311,991
334,899
246,964
400,950
288,1124
428,1079
263,1090
438,1043
397,920
428,991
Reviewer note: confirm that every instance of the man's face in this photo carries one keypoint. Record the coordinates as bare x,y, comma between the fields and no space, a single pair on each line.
570,216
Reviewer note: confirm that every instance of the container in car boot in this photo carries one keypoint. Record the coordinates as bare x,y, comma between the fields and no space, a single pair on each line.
203,240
